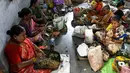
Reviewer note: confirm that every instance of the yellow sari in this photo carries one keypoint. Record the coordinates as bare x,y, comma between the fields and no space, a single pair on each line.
106,19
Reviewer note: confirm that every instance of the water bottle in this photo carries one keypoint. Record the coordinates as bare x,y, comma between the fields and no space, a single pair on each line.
52,43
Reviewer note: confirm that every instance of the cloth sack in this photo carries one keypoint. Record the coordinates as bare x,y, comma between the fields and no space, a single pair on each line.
95,58
119,62
107,68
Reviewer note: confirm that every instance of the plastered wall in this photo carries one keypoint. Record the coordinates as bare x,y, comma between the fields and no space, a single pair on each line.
8,17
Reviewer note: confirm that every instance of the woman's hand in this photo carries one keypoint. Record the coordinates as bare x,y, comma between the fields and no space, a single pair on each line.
94,21
40,53
34,17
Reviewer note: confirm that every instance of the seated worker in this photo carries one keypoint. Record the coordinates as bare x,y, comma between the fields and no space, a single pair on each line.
99,6
90,15
33,30
48,13
119,12
112,37
104,22
117,30
96,10
21,53
37,11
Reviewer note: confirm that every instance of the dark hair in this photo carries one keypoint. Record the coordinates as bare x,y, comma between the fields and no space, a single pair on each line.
15,30
99,0
116,18
23,12
120,4
33,2
106,7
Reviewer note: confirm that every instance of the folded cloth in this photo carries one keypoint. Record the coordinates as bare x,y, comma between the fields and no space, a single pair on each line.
108,67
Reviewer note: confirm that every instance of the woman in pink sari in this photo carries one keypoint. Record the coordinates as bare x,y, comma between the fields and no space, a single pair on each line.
22,53
33,30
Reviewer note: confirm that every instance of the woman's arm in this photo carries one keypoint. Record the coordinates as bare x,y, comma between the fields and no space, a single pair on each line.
26,63
38,51
117,41
37,19
98,22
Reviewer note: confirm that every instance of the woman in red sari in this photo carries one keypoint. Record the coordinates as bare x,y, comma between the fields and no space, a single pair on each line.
99,5
21,52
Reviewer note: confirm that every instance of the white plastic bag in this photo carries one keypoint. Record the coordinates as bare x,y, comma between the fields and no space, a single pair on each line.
82,50
88,36
95,58
79,31
59,22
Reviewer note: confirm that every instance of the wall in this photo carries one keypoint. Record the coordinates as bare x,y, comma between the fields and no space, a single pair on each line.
8,17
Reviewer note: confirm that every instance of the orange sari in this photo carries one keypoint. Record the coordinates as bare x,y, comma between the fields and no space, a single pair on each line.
99,6
17,54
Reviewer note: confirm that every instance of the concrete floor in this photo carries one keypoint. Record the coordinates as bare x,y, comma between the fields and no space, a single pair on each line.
66,44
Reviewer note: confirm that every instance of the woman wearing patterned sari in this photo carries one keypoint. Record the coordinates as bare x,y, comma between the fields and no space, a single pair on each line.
104,22
22,53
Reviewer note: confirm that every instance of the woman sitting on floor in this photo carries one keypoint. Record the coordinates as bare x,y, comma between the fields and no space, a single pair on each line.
22,53
33,30
96,11
120,13
104,22
114,35
116,30
99,6
37,11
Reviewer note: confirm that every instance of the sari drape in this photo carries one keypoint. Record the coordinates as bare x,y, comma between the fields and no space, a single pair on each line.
20,53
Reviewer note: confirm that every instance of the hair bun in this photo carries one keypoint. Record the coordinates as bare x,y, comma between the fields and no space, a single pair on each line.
20,14
8,32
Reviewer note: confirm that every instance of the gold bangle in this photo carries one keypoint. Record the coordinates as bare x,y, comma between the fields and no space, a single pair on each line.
34,59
